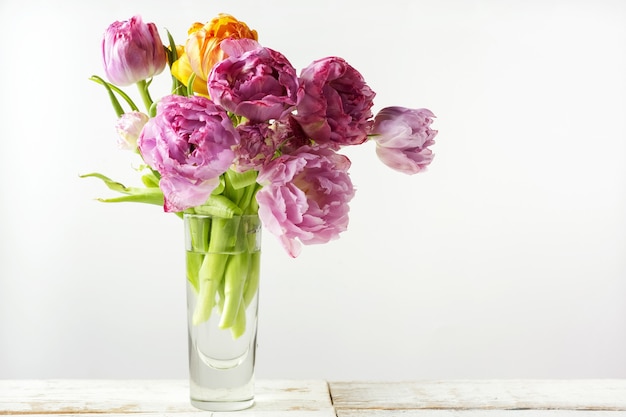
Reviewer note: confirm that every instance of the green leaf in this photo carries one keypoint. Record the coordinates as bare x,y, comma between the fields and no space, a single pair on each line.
190,82
172,53
240,180
117,107
113,185
148,197
220,206
152,195
172,56
110,89
150,180
220,188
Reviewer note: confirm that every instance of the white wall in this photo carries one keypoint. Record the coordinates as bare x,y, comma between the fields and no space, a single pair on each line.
507,259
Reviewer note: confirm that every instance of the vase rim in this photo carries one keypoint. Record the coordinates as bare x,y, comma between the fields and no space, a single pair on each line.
219,217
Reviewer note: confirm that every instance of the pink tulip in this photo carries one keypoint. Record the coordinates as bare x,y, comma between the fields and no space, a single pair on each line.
260,84
189,142
334,103
402,137
128,128
132,51
305,196
258,144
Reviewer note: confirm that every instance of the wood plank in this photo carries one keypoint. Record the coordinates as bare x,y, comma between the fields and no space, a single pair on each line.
478,413
162,397
591,395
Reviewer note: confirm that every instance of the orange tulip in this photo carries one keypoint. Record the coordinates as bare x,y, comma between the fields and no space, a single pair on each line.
202,49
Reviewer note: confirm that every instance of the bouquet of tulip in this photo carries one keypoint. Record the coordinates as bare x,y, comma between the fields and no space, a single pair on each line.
243,134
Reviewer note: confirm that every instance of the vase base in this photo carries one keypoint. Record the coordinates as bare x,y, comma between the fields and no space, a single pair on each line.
222,405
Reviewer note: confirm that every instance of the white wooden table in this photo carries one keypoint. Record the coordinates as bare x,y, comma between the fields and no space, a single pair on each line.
515,398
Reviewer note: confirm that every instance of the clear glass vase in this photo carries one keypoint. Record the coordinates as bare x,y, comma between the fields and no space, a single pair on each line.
223,266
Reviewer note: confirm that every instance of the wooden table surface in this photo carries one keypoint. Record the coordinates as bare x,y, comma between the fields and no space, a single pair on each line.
518,398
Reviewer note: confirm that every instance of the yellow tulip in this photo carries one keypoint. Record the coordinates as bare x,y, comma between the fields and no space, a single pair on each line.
181,69
202,49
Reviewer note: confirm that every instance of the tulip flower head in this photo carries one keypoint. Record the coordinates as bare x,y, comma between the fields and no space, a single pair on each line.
203,49
128,128
260,84
189,142
305,197
402,137
132,51
334,103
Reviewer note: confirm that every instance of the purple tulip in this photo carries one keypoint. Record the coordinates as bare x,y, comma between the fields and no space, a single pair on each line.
403,136
259,84
190,143
291,135
334,103
261,142
305,197
257,145
132,51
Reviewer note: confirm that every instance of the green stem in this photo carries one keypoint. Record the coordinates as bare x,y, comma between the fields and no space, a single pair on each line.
239,326
228,262
234,281
254,273
193,262
199,229
248,202
231,192
221,240
145,94
209,278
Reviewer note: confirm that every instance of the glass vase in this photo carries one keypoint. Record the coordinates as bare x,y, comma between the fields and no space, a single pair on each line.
223,266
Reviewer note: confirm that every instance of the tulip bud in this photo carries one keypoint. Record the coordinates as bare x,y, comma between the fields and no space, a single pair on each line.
132,51
129,127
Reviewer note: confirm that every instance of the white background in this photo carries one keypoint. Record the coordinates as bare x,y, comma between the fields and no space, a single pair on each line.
506,259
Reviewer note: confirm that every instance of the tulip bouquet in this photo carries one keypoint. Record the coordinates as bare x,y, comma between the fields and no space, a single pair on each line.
241,133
